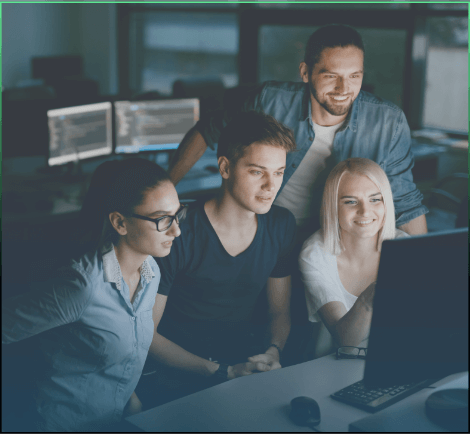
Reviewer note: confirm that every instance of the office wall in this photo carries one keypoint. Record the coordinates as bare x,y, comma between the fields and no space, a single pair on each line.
41,29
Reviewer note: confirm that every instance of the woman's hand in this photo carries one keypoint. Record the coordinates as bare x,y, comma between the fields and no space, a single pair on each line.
133,406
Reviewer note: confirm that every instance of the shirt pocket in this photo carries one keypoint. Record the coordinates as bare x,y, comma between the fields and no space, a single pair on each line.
147,328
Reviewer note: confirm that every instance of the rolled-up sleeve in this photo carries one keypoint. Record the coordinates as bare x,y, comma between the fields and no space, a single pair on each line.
50,304
406,196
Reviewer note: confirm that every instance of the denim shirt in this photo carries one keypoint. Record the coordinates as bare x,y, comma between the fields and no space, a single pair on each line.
374,129
93,339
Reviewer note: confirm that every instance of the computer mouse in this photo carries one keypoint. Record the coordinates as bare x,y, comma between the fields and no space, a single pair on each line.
448,408
304,411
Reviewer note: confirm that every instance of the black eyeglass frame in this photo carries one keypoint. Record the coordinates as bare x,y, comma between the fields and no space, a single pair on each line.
345,356
178,217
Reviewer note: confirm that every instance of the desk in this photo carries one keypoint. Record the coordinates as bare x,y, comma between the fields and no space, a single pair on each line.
260,402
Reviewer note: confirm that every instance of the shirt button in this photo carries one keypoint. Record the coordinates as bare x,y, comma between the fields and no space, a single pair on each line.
310,138
294,165
133,318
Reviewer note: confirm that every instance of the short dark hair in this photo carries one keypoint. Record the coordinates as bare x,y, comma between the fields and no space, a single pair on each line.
251,127
115,186
331,36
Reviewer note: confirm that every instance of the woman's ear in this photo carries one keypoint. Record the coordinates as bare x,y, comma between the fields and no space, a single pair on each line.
224,167
118,222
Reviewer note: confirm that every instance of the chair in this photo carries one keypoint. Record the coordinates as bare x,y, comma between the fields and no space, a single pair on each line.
448,203
23,264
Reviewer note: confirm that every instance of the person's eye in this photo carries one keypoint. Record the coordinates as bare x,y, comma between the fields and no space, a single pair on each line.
165,221
279,173
350,202
377,200
255,172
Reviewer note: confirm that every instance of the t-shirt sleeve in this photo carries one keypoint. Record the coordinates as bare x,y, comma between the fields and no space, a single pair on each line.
170,265
317,273
287,260
50,304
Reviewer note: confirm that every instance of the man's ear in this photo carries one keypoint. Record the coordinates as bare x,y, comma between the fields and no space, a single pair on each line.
303,71
118,222
224,167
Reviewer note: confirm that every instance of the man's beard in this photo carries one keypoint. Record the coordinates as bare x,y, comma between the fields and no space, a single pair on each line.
335,110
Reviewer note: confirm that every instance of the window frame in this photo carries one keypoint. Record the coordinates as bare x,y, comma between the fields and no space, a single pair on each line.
251,18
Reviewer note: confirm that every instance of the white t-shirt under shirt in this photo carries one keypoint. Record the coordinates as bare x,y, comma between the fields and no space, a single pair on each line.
321,280
299,195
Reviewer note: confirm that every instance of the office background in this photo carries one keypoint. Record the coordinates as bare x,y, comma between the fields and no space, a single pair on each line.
416,57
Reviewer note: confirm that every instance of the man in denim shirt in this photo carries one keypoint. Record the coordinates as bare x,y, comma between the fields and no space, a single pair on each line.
332,120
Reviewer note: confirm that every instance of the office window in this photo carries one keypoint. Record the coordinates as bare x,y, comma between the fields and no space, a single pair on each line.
166,46
282,49
446,91
351,4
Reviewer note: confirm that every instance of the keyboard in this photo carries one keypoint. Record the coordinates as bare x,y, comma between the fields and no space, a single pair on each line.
373,400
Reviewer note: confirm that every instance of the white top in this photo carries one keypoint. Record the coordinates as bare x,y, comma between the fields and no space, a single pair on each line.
298,196
320,275
322,284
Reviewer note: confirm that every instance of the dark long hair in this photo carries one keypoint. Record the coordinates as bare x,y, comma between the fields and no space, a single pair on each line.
115,186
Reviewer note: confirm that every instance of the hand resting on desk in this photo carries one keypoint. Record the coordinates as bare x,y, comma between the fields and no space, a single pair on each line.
248,368
259,363
267,359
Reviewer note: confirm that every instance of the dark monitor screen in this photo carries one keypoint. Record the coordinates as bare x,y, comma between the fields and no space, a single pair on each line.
153,125
77,133
419,326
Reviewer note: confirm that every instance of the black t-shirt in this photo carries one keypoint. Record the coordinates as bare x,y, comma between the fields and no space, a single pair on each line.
208,284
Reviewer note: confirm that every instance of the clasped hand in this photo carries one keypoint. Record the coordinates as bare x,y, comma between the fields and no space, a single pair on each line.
259,363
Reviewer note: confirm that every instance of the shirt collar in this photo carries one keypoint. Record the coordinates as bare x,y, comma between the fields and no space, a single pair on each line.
350,121
112,270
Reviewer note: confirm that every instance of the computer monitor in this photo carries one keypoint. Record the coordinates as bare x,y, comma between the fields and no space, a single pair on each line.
419,326
77,133
153,125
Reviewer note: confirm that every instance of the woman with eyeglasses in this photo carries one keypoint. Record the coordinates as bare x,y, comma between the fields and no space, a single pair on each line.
339,262
94,320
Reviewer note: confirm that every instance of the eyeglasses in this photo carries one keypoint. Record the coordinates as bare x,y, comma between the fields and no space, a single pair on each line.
164,223
351,353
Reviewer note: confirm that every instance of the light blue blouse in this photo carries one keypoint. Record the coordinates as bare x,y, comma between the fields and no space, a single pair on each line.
94,340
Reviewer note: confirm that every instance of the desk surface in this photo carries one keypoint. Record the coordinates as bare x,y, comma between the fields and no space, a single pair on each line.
260,402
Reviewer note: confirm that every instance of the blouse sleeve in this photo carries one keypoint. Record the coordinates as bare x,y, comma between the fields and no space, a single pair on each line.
318,275
50,304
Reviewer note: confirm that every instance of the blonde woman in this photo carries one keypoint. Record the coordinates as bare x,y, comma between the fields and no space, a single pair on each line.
339,262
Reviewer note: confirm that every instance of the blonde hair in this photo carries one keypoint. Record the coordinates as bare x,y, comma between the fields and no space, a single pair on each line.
329,208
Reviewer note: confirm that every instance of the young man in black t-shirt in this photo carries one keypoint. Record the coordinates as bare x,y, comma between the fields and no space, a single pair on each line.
230,248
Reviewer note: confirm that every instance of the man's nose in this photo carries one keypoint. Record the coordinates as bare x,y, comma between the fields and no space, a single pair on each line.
342,85
269,184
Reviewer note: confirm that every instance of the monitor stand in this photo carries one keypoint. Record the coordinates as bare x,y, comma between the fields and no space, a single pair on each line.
448,408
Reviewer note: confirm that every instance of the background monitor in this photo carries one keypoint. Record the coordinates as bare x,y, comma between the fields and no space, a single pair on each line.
419,326
77,133
153,125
